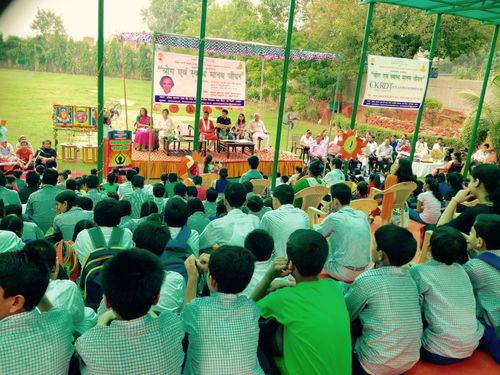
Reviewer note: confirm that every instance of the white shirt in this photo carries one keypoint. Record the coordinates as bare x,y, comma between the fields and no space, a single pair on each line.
438,147
9,241
258,274
480,156
167,124
231,229
422,148
281,223
193,240
431,207
333,177
372,147
384,151
172,293
304,140
124,189
84,246
257,126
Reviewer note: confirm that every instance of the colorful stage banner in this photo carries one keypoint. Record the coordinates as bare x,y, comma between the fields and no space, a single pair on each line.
393,82
119,149
175,77
74,117
63,115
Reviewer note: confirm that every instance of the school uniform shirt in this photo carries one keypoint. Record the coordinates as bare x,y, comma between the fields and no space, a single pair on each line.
124,189
231,229
21,184
160,203
41,206
281,223
25,193
210,208
36,343
260,213
66,295
317,337
143,345
65,223
333,177
136,199
259,272
172,293
431,207
10,241
349,236
9,196
96,196
124,221
386,301
250,175
449,308
193,241
198,221
84,245
485,281
31,232
223,332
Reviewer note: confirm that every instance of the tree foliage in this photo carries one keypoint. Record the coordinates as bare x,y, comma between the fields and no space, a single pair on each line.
47,24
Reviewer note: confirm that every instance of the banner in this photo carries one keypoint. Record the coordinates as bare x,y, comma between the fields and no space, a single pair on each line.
175,78
118,149
395,83
76,117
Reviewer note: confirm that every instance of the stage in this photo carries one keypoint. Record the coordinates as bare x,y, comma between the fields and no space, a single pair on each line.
236,164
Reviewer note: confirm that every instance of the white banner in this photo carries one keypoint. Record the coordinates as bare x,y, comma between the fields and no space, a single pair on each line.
175,78
393,82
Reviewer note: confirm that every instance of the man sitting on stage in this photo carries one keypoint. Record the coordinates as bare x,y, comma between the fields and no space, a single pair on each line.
259,130
318,149
223,122
384,156
207,129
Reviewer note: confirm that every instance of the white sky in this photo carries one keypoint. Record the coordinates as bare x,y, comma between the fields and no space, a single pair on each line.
79,16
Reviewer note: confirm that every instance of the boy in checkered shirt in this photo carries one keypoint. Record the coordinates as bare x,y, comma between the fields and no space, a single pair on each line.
135,342
31,340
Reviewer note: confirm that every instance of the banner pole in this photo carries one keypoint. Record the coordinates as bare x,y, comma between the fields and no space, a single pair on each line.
151,128
100,90
364,50
335,103
124,85
481,100
283,93
199,83
432,51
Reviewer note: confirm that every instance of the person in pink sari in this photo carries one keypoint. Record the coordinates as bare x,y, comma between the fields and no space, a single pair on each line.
144,133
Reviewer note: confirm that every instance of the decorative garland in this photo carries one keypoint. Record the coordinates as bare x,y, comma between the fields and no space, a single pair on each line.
227,47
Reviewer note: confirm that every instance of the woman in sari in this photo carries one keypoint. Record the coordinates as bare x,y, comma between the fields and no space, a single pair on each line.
144,134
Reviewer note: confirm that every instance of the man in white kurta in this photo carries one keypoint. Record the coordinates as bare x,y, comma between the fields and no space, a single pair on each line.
259,130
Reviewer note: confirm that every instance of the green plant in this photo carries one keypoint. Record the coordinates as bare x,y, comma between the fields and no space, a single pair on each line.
312,114
433,104
300,102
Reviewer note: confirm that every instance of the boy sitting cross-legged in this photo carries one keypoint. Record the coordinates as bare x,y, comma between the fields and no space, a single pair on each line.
136,342
223,329
31,341
386,301
314,315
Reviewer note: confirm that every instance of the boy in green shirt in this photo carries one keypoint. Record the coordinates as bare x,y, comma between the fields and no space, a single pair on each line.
253,162
317,336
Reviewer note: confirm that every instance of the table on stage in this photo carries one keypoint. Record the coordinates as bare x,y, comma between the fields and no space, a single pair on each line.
202,145
227,144
421,169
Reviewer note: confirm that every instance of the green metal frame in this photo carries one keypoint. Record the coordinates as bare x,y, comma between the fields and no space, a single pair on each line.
100,90
283,92
199,83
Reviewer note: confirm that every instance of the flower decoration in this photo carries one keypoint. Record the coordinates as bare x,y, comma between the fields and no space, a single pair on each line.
351,144
190,109
173,108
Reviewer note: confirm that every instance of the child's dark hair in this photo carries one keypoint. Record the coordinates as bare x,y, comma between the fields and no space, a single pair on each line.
32,179
85,203
248,186
268,202
113,195
67,196
206,163
125,208
398,243
448,245
255,203
46,250
93,171
180,189
362,188
130,174
441,178
111,178
316,168
92,181
164,177
212,195
14,209
195,205
337,163
253,162
172,177
50,177
70,184
220,209
23,272
176,213
235,194
197,180
18,173
298,169
131,282
342,192
152,236
260,243
487,227
285,179
375,178
191,191
223,173
159,190
107,213
148,208
12,223
308,250
232,267
434,188
81,225
39,169
138,181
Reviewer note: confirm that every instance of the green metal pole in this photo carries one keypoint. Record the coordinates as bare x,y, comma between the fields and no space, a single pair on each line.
481,100
199,83
337,84
364,50
151,125
283,93
100,89
432,51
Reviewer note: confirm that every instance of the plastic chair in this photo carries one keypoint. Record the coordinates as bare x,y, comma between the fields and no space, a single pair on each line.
424,251
314,214
260,185
311,196
365,205
352,185
401,193
208,179
296,146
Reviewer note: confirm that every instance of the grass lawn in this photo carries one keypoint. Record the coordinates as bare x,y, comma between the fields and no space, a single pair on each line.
26,100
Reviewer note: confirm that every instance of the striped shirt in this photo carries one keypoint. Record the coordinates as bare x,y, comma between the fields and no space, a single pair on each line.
136,199
36,343
223,335
387,303
485,281
449,307
143,345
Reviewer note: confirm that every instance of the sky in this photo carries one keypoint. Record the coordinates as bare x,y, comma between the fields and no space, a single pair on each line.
79,17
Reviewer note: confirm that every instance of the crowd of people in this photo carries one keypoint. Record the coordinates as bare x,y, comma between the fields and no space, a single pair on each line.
123,277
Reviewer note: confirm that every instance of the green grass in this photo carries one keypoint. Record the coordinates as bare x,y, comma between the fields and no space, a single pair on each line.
26,100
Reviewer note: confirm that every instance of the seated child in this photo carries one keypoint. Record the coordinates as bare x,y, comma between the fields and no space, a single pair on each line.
135,342
314,315
176,216
256,206
210,204
64,294
223,329
484,274
191,192
361,190
452,330
159,194
31,340
386,301
261,244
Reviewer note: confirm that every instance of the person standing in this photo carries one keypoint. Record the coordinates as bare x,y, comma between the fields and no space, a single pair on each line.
259,130
223,122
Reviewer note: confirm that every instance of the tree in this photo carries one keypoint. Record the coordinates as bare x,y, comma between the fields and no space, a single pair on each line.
144,56
47,24
171,16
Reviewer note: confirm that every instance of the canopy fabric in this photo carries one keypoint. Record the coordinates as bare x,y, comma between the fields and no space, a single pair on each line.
487,11
228,47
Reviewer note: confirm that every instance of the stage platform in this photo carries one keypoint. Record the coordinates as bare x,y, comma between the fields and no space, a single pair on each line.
236,164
